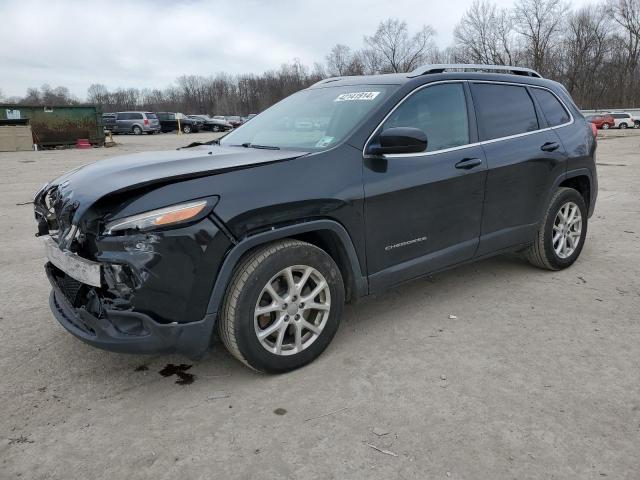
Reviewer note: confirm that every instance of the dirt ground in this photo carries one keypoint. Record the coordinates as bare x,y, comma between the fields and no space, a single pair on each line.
536,376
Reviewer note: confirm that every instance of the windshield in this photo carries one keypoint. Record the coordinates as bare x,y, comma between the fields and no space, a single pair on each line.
315,119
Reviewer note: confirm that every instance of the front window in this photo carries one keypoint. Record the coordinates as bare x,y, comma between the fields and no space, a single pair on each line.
314,120
440,111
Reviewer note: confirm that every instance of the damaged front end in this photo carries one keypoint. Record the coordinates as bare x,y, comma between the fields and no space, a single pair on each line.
129,291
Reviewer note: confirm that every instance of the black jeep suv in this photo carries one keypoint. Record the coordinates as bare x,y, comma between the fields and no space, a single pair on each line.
341,190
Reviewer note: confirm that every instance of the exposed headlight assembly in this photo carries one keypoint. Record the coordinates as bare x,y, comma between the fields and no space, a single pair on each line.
162,217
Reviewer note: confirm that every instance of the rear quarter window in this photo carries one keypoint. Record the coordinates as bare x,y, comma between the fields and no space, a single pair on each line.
503,110
551,107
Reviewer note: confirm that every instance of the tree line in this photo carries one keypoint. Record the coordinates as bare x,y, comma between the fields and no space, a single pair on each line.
594,51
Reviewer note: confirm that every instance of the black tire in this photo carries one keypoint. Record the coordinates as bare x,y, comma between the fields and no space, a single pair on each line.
605,126
216,128
236,324
186,129
623,125
136,130
542,254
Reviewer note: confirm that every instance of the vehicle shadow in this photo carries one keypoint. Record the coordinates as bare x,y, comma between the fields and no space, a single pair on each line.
372,313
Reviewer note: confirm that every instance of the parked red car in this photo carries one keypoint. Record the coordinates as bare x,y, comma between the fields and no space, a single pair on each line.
601,121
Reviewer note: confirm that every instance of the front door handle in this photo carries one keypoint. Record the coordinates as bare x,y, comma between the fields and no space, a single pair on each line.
550,146
467,163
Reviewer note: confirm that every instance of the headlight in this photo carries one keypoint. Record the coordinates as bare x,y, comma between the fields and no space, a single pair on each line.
162,217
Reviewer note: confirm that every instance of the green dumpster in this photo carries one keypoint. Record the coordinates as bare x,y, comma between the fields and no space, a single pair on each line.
58,124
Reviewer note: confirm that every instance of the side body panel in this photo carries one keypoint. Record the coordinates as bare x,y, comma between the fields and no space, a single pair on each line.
422,213
519,179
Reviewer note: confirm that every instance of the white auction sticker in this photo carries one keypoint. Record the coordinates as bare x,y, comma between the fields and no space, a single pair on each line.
345,97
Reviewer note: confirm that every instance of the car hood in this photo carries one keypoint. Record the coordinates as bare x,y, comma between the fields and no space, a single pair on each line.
82,187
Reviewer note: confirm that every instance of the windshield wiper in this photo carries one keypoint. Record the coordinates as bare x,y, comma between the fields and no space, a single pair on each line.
197,144
263,147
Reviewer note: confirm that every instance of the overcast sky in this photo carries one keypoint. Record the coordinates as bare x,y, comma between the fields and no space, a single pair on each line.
148,44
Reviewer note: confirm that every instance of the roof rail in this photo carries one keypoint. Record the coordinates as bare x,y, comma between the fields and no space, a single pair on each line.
441,67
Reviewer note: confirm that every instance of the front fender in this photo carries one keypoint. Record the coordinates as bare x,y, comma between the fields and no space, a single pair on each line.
235,254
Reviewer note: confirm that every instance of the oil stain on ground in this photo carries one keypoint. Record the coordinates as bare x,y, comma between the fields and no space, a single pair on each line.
179,371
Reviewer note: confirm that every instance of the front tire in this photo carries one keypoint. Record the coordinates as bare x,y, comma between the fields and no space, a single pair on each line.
282,307
186,128
623,126
561,234
605,126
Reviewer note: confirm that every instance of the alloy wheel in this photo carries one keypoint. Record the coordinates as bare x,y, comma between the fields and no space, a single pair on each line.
567,230
292,310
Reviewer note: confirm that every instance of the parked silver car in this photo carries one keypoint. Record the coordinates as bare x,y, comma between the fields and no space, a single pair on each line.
136,123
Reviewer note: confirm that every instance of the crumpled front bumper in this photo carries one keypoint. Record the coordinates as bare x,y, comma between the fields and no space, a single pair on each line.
129,332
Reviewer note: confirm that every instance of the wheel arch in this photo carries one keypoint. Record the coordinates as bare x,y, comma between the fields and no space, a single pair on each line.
580,179
328,235
581,183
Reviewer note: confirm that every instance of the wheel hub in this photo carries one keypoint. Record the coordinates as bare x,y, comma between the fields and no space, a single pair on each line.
292,310
567,230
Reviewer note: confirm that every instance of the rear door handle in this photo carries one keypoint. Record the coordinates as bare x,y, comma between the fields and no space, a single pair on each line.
550,146
467,163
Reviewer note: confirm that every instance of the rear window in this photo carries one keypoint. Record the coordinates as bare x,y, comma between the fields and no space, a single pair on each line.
503,110
551,107
151,116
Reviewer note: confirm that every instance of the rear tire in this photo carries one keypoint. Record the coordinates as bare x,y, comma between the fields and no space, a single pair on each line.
623,125
136,130
300,332
560,238
186,129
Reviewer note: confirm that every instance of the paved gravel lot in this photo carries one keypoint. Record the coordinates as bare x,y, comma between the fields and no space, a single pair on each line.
537,377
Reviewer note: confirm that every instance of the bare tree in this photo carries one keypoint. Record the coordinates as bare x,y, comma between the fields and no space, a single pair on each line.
392,49
484,35
97,93
539,22
338,60
585,49
342,61
626,13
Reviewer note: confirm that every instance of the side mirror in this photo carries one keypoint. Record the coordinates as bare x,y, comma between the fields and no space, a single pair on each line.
400,140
